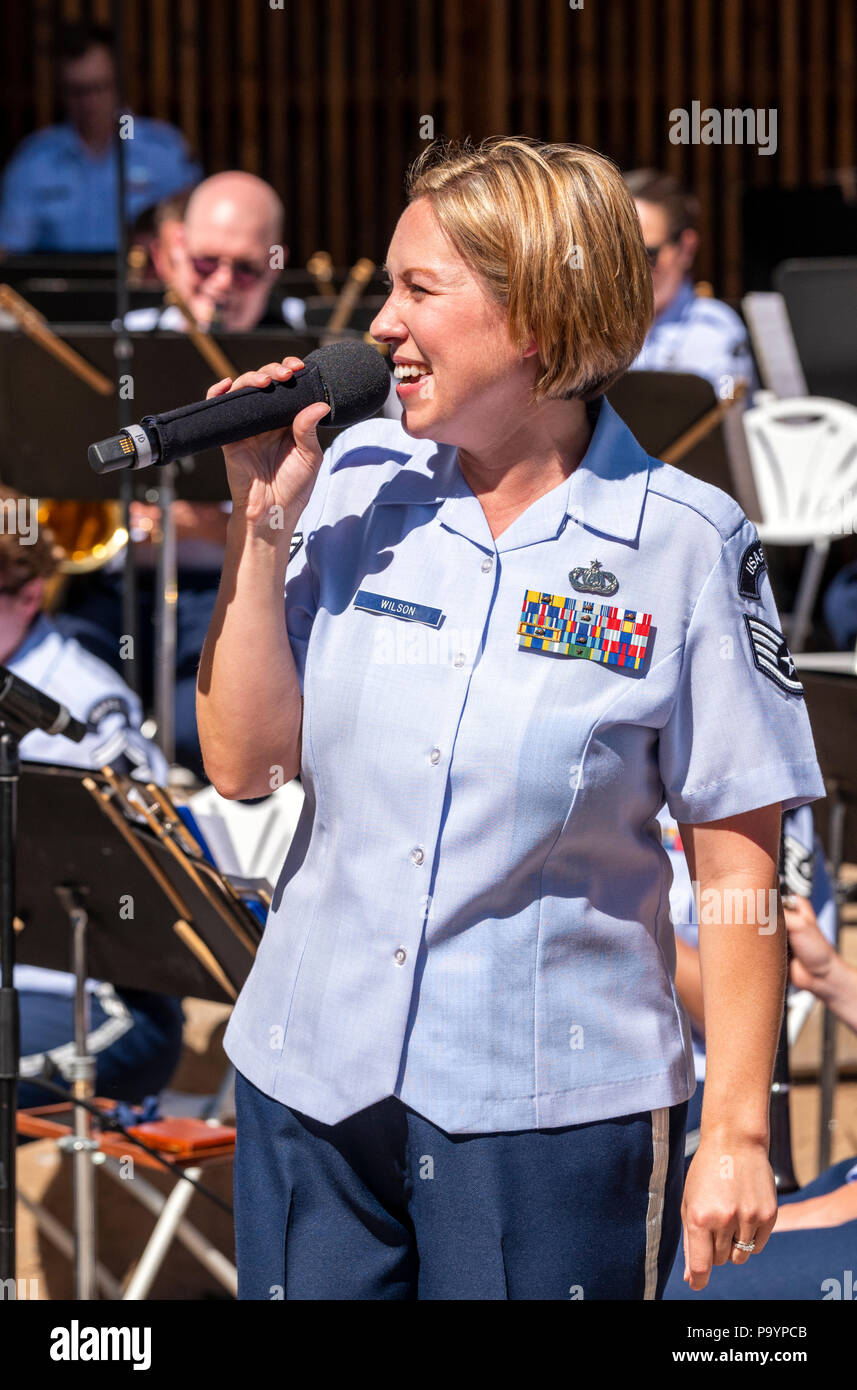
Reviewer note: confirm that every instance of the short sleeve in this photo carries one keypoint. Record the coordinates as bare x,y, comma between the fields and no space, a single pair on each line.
301,594
738,735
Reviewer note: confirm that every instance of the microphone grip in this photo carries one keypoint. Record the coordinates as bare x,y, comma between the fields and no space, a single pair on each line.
238,415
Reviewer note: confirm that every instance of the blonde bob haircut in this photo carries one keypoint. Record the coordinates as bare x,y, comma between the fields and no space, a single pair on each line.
554,235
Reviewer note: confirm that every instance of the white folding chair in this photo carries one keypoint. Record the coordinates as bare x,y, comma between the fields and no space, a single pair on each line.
803,453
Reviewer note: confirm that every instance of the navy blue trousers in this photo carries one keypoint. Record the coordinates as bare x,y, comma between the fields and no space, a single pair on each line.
385,1205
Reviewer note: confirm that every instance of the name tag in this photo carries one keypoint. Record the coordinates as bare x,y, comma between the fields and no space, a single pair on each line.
398,608
588,631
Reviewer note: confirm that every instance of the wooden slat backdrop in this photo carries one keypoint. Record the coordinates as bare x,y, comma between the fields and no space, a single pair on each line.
326,99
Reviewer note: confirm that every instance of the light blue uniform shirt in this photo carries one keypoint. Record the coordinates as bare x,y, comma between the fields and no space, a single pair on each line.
94,693
474,912
58,196
700,335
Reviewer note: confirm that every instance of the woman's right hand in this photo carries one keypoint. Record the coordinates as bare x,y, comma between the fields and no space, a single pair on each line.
277,469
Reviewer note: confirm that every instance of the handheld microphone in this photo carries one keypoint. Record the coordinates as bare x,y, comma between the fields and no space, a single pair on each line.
351,377
24,708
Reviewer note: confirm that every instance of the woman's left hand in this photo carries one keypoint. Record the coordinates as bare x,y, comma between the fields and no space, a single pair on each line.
729,1194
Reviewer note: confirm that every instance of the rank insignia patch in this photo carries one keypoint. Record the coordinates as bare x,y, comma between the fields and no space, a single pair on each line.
583,629
772,656
753,566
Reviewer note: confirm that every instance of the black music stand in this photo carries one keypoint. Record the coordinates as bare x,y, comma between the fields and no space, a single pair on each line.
821,299
100,854
43,452
68,837
659,408
832,705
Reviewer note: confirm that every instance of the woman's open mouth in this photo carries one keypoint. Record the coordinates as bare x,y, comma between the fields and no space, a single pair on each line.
411,377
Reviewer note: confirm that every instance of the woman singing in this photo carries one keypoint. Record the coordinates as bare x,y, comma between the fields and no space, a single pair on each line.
508,639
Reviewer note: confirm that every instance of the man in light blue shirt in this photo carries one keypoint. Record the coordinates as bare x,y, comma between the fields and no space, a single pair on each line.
59,188
691,332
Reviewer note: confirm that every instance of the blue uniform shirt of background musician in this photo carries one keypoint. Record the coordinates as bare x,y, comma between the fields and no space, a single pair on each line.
474,912
59,196
698,334
94,693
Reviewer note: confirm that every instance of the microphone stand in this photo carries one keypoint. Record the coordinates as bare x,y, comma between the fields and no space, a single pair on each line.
123,350
15,723
10,1029
780,1151
166,613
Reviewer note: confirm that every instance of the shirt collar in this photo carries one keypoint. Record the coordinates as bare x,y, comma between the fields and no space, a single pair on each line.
605,493
678,305
76,146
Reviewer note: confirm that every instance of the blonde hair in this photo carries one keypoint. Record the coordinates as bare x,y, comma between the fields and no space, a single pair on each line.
554,234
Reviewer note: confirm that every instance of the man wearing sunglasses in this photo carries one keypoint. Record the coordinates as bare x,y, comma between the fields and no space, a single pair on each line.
59,189
690,332
220,260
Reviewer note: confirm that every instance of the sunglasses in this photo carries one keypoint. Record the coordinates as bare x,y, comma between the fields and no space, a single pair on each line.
244,273
654,251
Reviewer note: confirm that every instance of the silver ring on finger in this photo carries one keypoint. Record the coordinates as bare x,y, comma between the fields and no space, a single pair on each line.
748,1245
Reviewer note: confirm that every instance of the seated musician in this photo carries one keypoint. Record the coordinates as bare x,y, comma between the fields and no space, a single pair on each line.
690,332
135,1035
821,1218
220,262
219,256
62,178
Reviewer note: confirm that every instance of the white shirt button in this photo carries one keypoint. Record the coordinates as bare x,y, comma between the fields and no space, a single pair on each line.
487,565
400,956
460,659
418,855
435,755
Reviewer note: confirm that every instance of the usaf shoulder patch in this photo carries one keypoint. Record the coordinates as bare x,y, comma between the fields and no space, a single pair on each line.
772,656
108,704
797,866
753,566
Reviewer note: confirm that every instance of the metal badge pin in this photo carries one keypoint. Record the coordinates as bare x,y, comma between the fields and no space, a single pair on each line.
594,580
